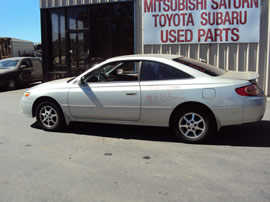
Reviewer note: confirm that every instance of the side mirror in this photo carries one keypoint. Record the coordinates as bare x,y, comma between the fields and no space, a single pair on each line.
23,66
82,81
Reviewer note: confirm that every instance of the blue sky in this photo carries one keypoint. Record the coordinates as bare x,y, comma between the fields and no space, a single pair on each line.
20,19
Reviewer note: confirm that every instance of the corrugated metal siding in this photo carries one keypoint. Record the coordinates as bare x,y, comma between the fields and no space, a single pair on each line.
61,3
239,57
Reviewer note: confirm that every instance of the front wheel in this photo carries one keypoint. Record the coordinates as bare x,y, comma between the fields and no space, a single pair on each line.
49,116
11,84
193,124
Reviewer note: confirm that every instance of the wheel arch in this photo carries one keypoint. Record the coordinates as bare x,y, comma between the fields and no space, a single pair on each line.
194,104
14,77
42,99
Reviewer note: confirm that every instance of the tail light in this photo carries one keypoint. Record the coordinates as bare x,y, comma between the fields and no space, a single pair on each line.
250,90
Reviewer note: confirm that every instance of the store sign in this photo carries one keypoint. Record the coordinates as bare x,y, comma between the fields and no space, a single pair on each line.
201,21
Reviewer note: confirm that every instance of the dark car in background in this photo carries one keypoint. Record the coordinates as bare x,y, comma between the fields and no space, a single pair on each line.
19,71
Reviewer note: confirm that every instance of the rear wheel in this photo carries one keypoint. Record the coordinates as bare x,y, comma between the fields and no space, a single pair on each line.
49,116
193,124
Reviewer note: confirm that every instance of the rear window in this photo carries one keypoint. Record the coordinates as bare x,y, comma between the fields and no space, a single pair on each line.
200,66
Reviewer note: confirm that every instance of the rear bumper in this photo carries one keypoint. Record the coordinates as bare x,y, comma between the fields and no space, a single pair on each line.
254,109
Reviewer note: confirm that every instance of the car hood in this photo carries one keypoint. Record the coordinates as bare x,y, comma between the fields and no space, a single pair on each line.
3,71
248,76
60,83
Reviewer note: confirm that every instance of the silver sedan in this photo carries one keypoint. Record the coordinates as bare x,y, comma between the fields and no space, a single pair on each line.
193,98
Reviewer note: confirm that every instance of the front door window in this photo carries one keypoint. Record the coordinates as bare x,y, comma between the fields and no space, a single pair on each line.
115,71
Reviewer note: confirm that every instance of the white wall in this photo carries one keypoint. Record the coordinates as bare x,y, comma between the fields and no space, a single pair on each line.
19,47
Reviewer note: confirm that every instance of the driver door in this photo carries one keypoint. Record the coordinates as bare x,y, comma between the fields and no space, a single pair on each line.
26,69
112,92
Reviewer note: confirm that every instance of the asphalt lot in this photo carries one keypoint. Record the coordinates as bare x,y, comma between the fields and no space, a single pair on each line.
97,162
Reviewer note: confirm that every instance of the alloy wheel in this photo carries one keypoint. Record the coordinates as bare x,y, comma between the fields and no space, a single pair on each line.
192,125
48,116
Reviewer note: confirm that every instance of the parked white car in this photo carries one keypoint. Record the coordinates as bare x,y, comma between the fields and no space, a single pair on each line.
195,99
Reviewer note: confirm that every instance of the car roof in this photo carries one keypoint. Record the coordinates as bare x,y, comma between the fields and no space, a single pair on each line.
146,57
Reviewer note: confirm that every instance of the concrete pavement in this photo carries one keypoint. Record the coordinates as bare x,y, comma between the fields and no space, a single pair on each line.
96,162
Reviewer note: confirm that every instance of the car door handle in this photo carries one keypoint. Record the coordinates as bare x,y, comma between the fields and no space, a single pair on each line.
131,93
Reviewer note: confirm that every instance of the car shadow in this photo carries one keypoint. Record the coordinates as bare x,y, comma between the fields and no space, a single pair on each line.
119,131
247,135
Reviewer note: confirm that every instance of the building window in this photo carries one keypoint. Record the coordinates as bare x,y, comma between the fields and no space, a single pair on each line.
122,29
77,18
82,36
111,30
58,39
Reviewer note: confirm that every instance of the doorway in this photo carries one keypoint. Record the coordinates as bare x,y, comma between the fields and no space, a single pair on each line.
79,53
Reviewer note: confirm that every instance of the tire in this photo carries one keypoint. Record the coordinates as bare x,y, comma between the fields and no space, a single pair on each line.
11,84
193,124
49,116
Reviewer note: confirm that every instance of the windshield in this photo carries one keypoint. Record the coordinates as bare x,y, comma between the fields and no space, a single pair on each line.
200,66
8,64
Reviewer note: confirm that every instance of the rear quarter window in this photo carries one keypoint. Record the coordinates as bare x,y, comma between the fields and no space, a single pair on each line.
37,66
36,63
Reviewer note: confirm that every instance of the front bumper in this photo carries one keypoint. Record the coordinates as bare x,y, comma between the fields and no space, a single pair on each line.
2,82
26,108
